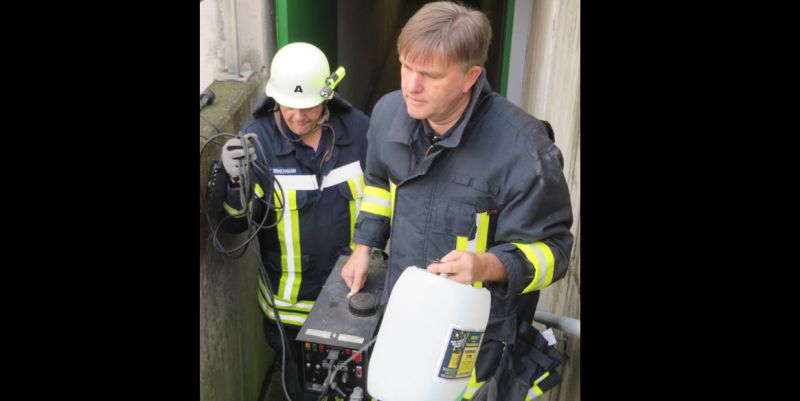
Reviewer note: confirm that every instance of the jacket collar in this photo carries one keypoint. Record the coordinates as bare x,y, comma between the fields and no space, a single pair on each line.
404,125
265,106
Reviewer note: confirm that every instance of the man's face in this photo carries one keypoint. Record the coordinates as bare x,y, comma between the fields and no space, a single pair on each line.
432,91
301,121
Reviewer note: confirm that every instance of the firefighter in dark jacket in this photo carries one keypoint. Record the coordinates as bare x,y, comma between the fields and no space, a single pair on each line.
314,144
457,173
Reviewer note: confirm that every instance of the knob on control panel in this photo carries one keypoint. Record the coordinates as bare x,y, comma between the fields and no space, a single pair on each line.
363,304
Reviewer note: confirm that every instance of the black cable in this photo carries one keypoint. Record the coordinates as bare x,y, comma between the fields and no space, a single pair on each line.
245,197
268,284
332,374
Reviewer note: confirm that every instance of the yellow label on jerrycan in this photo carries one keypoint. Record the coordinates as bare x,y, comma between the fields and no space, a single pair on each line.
429,338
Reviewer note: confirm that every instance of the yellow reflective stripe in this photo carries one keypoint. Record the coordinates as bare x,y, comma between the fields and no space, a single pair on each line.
477,244
355,204
535,391
376,201
461,243
300,306
369,207
236,213
482,235
289,239
287,318
472,386
542,259
392,196
377,192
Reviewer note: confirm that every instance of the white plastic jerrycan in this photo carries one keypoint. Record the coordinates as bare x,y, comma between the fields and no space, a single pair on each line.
429,339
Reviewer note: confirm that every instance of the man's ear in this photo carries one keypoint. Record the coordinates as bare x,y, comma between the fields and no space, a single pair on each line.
472,75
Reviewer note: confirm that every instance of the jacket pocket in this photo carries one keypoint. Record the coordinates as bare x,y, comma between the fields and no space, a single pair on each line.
482,186
466,190
454,218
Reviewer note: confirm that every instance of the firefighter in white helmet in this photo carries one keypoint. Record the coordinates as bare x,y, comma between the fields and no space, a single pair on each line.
314,143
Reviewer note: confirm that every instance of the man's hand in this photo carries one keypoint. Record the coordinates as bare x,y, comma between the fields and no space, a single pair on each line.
468,267
354,271
233,154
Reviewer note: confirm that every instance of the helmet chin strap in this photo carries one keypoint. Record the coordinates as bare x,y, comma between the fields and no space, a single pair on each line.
321,123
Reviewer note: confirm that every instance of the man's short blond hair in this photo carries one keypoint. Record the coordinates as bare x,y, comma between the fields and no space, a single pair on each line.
459,34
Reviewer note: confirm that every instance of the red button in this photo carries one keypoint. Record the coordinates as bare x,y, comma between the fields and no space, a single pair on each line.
347,351
321,347
358,371
358,357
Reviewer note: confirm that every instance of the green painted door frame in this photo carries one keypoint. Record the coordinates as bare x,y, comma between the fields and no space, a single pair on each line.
311,21
315,22
507,30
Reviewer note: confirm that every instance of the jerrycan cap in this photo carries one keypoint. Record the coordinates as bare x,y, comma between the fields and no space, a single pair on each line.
363,304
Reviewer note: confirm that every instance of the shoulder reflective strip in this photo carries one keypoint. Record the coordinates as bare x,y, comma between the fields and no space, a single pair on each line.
541,257
297,182
300,306
289,239
287,318
342,174
535,391
472,386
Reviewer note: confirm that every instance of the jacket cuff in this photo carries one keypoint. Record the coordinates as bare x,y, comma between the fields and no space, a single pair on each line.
518,271
232,197
371,231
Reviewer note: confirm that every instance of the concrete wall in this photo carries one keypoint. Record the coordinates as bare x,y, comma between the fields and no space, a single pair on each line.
255,37
234,357
552,92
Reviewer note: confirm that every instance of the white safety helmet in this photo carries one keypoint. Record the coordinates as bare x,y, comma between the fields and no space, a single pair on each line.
297,76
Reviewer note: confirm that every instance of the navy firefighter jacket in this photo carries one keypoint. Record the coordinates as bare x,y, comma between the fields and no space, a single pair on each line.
320,202
494,183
